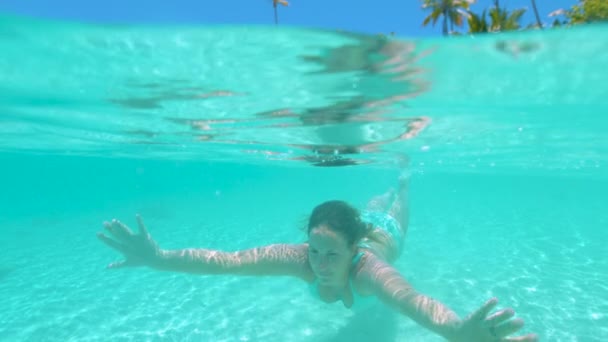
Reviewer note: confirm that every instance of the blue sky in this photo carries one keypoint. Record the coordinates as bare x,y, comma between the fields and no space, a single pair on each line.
402,16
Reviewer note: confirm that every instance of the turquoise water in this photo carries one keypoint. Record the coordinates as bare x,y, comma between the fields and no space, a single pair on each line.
226,137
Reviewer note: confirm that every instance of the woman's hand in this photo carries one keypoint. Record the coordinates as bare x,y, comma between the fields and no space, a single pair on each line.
497,327
138,249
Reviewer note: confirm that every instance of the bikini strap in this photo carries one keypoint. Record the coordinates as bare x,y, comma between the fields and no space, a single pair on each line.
357,258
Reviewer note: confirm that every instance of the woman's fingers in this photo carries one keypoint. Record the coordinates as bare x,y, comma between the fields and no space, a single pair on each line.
509,327
142,227
499,317
112,243
117,232
500,323
117,264
122,229
525,338
136,248
110,229
483,311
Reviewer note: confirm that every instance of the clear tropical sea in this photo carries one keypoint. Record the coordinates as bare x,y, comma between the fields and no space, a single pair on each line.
226,137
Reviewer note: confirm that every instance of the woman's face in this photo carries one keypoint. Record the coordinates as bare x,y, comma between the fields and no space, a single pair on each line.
330,255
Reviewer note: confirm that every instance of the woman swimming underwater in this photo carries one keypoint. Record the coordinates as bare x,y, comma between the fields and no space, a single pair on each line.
347,259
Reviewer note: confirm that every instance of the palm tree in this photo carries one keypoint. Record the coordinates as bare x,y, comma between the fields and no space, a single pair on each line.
503,20
452,11
538,22
478,23
274,4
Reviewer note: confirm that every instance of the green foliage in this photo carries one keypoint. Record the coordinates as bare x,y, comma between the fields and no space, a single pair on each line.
503,20
478,23
500,20
497,19
452,12
588,11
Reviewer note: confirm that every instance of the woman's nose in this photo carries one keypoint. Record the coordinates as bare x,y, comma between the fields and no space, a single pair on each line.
323,262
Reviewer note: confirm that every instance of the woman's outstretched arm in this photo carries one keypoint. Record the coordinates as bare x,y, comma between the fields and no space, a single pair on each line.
387,283
277,259
141,250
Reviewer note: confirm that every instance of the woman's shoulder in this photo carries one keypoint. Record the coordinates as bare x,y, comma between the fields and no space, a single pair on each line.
292,256
369,270
302,255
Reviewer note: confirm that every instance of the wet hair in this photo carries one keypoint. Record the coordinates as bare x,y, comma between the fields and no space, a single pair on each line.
340,217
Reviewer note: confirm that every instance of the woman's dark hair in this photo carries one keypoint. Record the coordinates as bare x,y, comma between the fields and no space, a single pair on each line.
339,216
